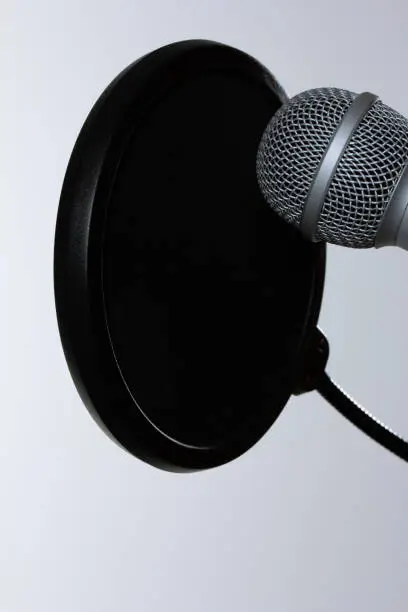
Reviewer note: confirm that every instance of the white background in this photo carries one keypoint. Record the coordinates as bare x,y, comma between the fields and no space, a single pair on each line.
314,518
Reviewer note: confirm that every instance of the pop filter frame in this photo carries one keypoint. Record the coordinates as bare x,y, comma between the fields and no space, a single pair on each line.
185,304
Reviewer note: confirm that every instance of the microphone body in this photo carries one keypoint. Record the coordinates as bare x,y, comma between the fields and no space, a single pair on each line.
335,164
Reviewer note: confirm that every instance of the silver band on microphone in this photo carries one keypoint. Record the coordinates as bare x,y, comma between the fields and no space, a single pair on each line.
320,186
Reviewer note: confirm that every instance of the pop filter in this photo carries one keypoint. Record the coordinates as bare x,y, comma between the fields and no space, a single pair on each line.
186,306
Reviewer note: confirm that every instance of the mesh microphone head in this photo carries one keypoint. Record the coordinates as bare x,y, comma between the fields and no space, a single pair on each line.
292,148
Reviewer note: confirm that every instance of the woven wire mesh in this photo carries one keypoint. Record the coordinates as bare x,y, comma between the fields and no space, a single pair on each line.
293,145
292,148
365,179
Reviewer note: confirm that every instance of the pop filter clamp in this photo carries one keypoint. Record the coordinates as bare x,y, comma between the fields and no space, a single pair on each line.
187,308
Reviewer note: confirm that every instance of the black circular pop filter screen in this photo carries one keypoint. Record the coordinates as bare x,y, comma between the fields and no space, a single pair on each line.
182,299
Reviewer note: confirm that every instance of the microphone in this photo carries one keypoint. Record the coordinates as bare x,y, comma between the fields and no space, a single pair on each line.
335,165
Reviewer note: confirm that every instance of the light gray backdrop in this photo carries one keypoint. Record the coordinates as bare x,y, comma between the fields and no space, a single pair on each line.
314,518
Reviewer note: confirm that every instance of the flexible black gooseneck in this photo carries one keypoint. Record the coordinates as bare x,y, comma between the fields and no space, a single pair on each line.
361,418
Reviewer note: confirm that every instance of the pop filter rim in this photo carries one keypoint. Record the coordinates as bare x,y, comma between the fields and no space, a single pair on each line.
80,225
